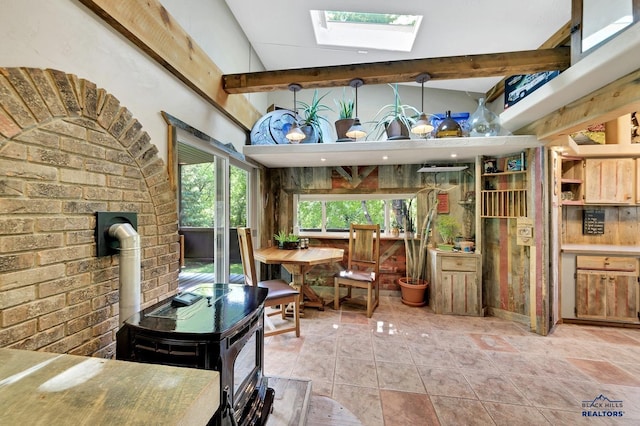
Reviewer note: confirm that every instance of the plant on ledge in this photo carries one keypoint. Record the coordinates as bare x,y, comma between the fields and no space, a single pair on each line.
448,227
311,117
395,119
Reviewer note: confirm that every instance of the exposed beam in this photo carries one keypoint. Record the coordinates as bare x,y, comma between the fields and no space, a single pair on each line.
607,103
446,68
149,26
559,38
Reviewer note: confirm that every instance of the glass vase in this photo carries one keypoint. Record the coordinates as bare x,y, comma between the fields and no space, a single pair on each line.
483,122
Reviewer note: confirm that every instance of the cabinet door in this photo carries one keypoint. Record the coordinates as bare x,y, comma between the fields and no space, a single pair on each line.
622,296
459,293
609,181
591,294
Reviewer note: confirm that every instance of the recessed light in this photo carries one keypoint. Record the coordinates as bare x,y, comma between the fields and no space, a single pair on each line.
454,155
385,157
323,159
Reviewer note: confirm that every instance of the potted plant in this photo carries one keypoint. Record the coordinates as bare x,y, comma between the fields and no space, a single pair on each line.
395,119
448,227
286,240
395,228
345,117
311,119
414,284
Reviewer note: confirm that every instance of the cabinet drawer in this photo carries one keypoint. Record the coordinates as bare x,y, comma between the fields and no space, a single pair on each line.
602,263
459,263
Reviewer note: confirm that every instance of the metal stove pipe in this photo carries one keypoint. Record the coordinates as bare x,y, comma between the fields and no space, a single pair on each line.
129,268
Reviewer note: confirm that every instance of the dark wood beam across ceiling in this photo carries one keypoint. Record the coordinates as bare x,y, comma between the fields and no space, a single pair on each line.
445,68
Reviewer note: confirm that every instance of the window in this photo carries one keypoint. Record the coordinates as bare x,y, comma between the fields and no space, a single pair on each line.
334,213
380,31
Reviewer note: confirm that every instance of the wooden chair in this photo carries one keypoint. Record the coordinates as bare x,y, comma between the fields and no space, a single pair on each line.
363,266
280,292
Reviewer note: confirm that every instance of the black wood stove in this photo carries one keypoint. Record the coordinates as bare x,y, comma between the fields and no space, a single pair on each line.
209,326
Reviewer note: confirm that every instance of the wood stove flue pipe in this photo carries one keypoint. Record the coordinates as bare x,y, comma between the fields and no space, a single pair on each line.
129,268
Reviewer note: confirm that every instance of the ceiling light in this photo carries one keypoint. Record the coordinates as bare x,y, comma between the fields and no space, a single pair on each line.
356,130
433,168
295,134
385,157
422,126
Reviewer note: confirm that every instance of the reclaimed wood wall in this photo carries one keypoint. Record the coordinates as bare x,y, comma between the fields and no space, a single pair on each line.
621,226
280,185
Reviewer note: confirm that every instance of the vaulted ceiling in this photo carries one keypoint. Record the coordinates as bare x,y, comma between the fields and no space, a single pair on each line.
281,33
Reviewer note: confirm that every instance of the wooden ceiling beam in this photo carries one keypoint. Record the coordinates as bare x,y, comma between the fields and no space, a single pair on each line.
445,68
561,37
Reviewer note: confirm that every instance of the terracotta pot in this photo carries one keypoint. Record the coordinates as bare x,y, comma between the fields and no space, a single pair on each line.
396,130
342,126
413,294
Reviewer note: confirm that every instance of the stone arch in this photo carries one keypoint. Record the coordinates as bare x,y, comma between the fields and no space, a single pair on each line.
67,150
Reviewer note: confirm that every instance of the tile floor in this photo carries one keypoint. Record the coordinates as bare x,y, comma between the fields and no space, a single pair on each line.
408,366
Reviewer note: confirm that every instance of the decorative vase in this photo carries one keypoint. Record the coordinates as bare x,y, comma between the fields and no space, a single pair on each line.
396,130
448,128
312,135
483,122
413,294
342,127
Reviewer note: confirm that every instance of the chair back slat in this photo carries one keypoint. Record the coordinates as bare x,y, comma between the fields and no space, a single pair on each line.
246,254
364,247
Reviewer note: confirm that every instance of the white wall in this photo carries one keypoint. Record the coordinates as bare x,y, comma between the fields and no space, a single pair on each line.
65,35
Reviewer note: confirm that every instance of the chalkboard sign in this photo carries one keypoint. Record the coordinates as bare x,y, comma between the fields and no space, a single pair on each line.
593,222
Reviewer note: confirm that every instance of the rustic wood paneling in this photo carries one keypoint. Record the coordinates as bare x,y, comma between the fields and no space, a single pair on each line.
621,226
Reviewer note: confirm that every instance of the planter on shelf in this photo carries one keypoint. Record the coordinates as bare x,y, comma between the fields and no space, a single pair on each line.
414,291
397,130
311,133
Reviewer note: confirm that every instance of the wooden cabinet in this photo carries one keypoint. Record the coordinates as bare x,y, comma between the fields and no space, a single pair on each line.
572,181
456,283
607,288
609,181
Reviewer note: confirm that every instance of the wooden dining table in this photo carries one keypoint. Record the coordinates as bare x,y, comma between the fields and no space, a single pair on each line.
298,262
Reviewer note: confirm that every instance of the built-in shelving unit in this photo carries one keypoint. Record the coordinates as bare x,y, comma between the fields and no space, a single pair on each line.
504,193
572,181
365,153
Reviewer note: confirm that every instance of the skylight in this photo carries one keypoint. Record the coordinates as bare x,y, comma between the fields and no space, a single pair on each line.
380,31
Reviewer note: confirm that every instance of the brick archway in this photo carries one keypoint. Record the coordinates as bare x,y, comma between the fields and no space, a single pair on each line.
67,150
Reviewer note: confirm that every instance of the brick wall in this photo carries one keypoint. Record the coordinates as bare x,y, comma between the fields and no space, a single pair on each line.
67,150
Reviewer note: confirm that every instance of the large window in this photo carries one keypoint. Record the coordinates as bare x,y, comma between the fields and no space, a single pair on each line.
334,213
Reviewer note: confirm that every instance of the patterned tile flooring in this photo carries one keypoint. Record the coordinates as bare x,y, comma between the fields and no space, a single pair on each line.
408,366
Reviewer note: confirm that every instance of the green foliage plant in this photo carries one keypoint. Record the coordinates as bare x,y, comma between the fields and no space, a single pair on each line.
311,112
406,114
415,244
448,227
345,106
285,237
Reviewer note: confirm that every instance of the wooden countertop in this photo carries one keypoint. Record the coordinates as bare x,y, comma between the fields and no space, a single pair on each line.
601,249
53,389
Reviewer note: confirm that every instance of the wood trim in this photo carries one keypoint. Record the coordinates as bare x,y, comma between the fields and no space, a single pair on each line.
148,25
559,38
447,68
605,104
